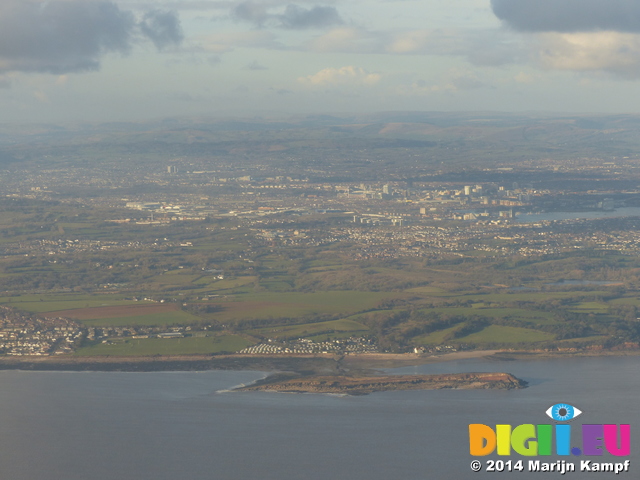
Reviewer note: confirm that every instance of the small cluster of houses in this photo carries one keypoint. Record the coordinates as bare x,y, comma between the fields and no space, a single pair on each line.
306,346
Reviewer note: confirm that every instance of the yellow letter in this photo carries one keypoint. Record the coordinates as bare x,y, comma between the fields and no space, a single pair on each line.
503,432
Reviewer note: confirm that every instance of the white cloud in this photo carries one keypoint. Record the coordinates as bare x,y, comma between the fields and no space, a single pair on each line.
349,75
614,52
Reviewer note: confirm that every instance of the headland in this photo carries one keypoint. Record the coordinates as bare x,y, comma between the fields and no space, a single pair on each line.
364,385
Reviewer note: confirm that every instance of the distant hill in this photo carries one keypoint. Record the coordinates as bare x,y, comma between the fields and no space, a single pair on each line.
391,140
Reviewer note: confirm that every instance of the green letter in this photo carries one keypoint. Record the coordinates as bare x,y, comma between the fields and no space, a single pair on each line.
523,440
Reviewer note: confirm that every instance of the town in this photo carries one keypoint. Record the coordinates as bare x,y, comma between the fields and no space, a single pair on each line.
341,243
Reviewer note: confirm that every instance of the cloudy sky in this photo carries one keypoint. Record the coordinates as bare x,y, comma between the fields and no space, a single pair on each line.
88,60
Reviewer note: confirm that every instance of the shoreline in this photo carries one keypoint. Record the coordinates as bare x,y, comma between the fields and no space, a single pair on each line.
317,364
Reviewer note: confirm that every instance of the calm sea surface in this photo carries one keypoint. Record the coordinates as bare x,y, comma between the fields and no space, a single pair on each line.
157,426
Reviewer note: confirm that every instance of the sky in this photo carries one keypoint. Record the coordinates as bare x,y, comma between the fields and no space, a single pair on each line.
130,60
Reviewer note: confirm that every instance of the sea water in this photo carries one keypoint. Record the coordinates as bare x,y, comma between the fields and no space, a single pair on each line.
186,426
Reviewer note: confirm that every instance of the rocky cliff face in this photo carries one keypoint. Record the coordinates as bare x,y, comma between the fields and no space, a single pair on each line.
365,385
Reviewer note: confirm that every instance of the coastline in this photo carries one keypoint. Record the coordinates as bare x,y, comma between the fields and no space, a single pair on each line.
325,362
317,364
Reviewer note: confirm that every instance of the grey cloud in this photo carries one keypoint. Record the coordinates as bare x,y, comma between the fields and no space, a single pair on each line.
250,12
569,15
180,5
162,28
294,16
255,66
63,36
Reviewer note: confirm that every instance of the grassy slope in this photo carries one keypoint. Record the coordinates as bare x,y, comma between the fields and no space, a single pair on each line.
168,346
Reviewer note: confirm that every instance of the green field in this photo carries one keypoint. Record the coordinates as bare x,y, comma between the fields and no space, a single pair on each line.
228,284
492,334
428,291
590,307
278,284
294,304
265,294
435,338
325,268
169,278
168,346
529,296
52,306
344,327
635,301
63,297
506,335
176,317
520,314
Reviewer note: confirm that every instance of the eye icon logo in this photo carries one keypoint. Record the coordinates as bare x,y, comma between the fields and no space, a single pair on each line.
563,412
